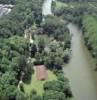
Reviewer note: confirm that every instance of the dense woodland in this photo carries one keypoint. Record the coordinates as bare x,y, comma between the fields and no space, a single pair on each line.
50,38
75,11
22,16
14,48
77,1
90,33
7,1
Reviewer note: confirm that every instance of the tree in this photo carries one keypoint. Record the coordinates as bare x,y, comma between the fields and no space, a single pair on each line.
58,86
20,95
19,44
54,95
54,61
33,50
55,27
22,87
7,2
39,58
7,85
89,26
34,96
41,42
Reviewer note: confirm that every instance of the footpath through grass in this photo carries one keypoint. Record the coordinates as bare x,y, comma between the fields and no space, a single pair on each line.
37,85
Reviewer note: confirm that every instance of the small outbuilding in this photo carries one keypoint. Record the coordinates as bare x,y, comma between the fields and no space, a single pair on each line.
41,72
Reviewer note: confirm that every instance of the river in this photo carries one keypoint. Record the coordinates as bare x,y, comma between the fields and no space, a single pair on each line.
81,69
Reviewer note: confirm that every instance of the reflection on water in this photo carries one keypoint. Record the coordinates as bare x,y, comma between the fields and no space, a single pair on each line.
80,70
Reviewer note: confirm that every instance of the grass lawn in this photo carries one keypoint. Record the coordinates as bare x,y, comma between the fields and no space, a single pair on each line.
38,85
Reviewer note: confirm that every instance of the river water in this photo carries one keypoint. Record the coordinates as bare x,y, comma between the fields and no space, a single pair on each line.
81,69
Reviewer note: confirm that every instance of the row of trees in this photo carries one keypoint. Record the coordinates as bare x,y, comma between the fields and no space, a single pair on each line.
7,1
90,33
66,1
73,13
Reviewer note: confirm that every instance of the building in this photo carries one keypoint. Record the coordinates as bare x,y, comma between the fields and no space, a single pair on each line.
41,72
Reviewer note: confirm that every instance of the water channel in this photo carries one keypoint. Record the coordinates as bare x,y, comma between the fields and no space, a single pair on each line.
81,69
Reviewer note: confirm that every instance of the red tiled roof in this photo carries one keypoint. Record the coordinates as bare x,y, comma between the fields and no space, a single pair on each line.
41,72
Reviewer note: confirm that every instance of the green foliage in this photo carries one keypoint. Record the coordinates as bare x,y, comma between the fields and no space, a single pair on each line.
53,61
52,53
74,9
90,33
20,96
19,44
55,27
58,86
54,95
7,1
34,96
61,85
14,49
78,0
23,15
13,53
22,87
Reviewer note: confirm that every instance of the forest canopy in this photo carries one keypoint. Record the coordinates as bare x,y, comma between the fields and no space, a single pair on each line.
7,1
78,0
14,49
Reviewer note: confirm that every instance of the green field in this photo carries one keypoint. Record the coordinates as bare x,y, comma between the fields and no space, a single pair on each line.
38,85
